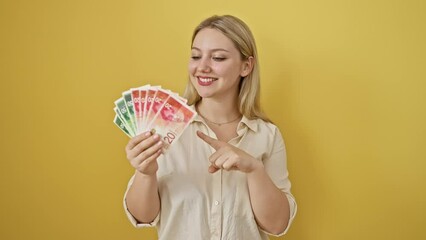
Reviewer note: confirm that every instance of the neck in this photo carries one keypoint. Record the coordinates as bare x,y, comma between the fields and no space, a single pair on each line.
218,111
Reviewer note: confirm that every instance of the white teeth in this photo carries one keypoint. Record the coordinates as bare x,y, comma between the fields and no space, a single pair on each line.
206,80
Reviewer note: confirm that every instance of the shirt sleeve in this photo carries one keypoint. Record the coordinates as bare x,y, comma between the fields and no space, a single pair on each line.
132,219
276,166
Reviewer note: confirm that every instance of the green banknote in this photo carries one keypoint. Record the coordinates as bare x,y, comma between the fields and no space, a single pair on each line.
127,96
121,111
120,124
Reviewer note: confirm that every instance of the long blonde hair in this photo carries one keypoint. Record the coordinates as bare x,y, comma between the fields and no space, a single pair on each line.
239,33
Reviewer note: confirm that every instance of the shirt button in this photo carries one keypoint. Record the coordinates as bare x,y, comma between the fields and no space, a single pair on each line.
216,203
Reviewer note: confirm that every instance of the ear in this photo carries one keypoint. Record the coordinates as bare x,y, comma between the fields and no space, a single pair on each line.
247,66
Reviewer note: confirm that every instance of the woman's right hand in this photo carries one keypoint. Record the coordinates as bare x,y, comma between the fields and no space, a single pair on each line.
142,152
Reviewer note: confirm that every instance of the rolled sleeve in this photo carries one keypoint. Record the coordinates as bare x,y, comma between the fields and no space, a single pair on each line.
131,218
293,210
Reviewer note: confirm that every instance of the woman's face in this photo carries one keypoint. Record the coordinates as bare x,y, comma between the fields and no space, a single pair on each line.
215,67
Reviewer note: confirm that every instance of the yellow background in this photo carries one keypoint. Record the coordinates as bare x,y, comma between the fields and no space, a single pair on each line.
344,80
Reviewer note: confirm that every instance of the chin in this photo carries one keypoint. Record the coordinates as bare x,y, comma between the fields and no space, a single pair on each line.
204,95
202,92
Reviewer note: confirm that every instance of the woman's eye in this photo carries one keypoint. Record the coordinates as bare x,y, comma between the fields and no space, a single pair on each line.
219,59
195,57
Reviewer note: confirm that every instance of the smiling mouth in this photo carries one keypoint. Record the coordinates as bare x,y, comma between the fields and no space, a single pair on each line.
206,79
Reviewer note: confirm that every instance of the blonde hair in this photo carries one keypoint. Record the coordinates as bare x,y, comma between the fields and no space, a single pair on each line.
239,33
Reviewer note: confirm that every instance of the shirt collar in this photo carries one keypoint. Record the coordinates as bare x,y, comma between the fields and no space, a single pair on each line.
250,123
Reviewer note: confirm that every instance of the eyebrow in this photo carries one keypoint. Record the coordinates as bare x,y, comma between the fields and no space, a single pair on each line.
212,50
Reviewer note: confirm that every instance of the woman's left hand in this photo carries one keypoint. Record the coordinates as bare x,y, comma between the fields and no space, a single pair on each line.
229,157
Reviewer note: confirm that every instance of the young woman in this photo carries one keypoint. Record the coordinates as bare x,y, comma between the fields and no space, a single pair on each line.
226,176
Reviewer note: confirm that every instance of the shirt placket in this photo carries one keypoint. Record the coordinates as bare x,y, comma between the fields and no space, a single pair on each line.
216,208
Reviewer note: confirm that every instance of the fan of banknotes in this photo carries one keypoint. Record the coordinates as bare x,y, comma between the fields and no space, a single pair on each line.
152,108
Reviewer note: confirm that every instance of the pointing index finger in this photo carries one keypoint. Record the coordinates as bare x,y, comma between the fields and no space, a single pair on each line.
216,144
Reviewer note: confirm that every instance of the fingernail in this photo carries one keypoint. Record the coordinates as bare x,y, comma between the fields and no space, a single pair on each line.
160,143
147,133
156,136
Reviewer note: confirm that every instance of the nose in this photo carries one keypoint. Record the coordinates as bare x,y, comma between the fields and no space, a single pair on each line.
204,65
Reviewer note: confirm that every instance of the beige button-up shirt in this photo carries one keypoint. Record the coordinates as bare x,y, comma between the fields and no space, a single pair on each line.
198,205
